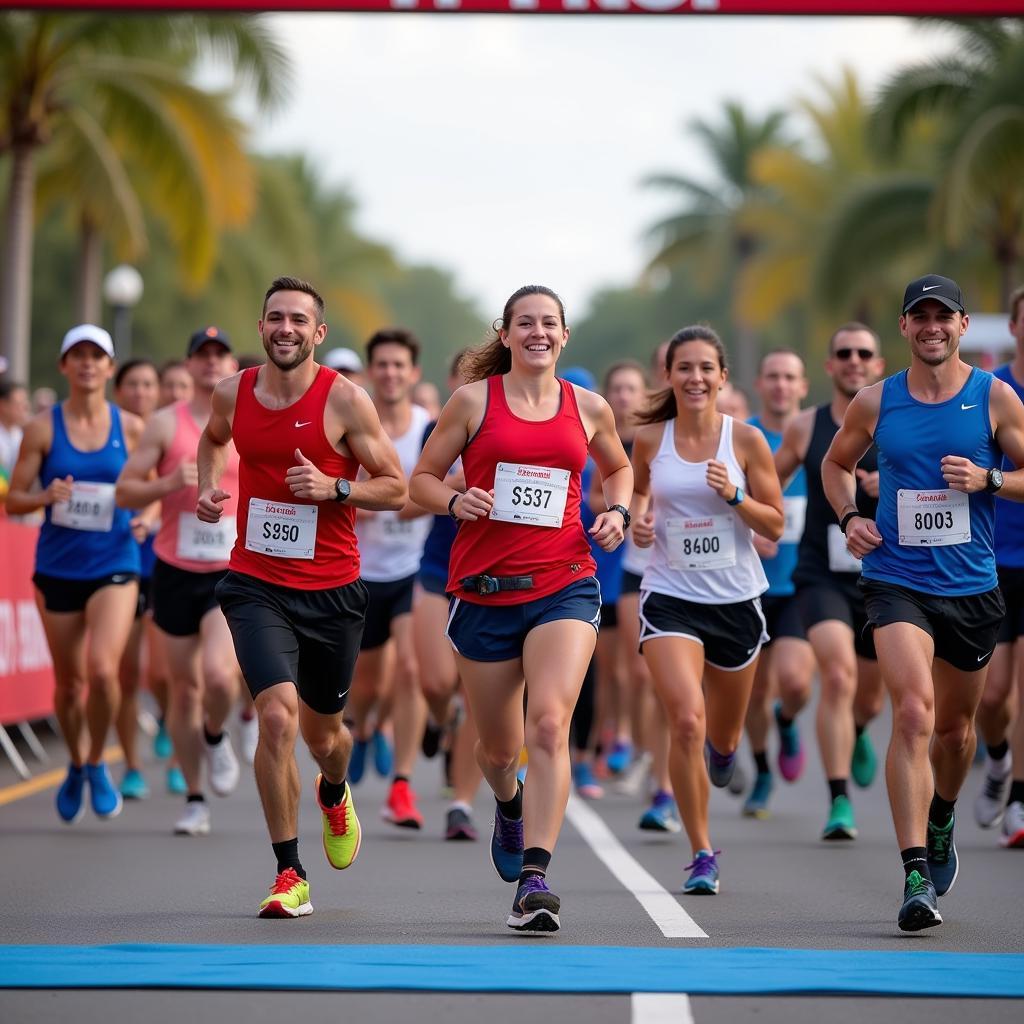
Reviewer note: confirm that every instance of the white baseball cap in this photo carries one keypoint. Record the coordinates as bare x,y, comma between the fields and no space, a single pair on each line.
344,359
87,332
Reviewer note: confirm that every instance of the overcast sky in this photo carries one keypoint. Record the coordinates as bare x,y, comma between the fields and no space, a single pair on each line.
510,149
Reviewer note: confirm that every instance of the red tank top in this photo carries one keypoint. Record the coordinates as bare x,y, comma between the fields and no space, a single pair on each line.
554,556
266,440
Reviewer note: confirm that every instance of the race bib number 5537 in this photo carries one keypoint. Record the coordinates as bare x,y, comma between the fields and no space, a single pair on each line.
530,495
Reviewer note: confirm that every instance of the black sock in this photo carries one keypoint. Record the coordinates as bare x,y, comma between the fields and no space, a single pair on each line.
401,778
837,787
535,862
195,798
940,811
287,854
212,740
1016,792
513,808
915,858
761,760
998,752
331,794
858,730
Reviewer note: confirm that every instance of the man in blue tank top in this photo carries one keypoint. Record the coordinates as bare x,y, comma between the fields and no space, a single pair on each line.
929,576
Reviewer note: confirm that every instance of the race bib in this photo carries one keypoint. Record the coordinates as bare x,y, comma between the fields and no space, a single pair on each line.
795,512
91,508
839,558
933,518
205,542
707,542
530,495
281,530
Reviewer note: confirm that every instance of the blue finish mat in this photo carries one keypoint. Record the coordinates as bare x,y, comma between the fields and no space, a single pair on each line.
516,968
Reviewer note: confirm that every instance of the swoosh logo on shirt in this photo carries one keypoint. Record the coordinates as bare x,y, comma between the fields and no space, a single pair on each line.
966,407
306,424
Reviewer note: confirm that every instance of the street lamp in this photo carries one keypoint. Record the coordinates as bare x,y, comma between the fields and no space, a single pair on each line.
122,288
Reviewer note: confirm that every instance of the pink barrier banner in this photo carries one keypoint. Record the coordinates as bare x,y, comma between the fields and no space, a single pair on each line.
26,671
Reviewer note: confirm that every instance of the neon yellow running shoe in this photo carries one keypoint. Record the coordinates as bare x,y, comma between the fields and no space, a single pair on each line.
342,834
289,896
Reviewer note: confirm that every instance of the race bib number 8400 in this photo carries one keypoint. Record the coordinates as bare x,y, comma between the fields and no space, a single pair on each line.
530,495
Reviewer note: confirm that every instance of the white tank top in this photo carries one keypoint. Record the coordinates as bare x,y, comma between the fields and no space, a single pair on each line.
391,548
703,551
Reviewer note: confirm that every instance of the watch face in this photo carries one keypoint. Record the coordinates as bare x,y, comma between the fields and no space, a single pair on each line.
995,477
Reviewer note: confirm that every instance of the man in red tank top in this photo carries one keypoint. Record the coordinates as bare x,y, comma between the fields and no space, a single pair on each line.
192,558
292,597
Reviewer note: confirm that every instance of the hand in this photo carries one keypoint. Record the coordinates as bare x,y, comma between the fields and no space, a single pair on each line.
59,490
718,480
208,508
963,475
186,475
306,481
862,536
764,547
140,529
868,482
608,530
643,530
476,503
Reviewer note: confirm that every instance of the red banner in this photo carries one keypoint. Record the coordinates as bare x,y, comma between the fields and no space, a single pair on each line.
947,8
26,671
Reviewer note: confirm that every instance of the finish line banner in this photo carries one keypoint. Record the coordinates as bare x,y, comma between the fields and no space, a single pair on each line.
946,8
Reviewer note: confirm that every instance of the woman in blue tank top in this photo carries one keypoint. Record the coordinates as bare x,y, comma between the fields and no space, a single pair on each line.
87,562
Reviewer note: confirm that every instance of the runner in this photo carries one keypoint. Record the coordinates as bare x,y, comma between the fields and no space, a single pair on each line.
87,562
191,559
787,662
831,606
929,580
1000,722
525,604
15,412
175,383
292,597
712,484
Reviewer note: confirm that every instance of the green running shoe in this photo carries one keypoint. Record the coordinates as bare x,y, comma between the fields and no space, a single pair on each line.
841,823
920,907
864,763
289,896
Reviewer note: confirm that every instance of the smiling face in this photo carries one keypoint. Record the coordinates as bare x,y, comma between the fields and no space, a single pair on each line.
696,375
87,367
209,365
934,331
535,335
854,361
139,390
289,329
782,383
392,373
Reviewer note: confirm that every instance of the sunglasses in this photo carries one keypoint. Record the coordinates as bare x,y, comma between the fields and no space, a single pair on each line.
847,353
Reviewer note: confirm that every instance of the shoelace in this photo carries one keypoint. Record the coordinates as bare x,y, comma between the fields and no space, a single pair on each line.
510,832
994,787
704,863
285,880
337,818
916,884
939,843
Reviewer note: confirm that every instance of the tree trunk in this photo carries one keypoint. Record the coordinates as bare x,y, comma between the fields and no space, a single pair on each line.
16,264
88,307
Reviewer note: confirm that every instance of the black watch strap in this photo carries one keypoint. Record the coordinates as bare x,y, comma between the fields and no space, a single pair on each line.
846,519
624,512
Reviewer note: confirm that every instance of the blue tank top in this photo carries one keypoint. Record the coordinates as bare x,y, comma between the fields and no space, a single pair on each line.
912,437
609,563
437,548
779,569
85,554
1009,514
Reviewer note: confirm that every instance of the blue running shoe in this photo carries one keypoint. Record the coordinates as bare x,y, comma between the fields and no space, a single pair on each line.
133,785
620,757
382,759
357,762
586,785
720,766
535,908
661,816
943,864
756,805
176,784
703,880
507,846
162,746
70,803
106,801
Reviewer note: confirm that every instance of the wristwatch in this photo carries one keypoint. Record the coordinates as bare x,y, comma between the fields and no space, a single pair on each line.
342,489
993,480
737,498
624,512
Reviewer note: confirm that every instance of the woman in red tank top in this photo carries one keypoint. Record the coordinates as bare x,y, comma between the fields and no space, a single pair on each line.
525,605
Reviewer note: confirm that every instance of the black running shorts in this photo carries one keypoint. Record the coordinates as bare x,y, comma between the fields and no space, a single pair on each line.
386,602
181,598
1011,583
782,617
826,602
63,595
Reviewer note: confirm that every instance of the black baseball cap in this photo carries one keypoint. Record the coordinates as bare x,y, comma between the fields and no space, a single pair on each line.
931,286
205,334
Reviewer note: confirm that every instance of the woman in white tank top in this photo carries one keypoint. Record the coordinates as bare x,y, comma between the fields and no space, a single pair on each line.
714,484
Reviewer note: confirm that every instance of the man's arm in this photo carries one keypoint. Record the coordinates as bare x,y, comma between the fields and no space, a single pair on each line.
212,456
793,450
138,486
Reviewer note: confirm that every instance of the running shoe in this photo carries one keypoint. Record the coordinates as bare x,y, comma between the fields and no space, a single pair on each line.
920,907
720,766
162,746
990,803
620,756
176,784
864,763
661,816
431,742
756,805
507,846
222,766
133,785
535,908
841,823
791,750
249,729
586,785
342,833
459,825
633,780
357,762
401,809
383,761
289,896
738,780
105,799
703,880
943,864
195,821
70,796
1013,826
